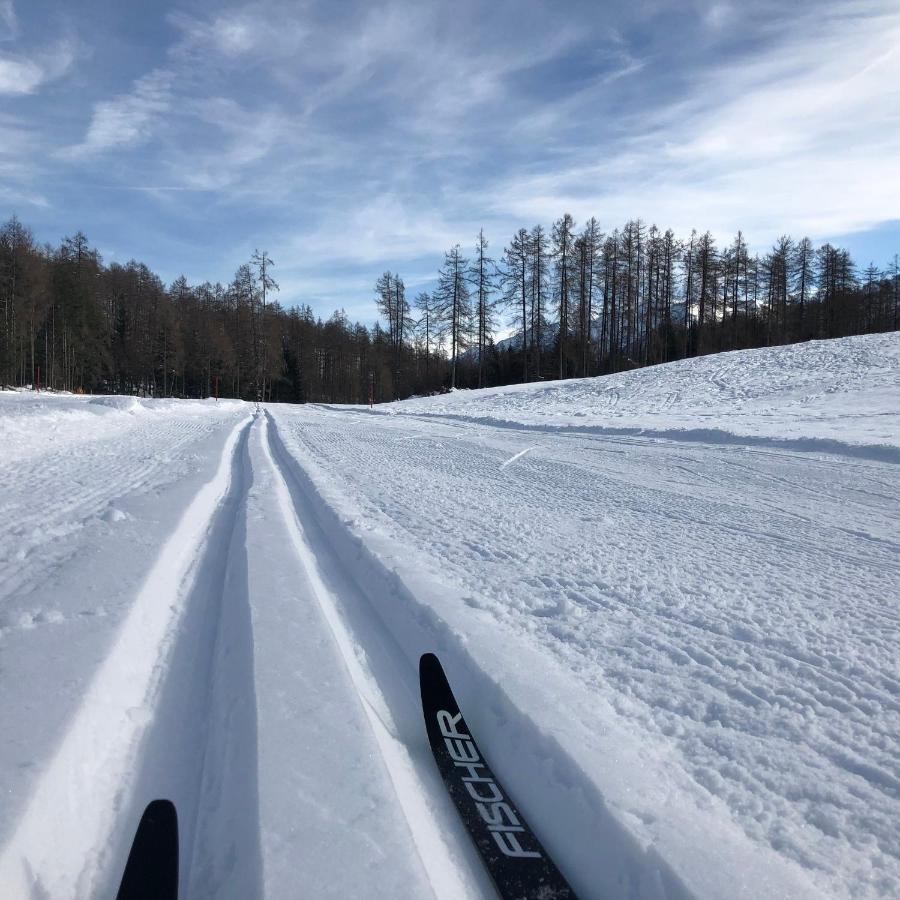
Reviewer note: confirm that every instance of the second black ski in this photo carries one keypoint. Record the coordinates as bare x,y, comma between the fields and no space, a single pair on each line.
152,869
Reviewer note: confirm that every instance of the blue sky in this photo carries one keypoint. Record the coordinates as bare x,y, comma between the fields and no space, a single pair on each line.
347,138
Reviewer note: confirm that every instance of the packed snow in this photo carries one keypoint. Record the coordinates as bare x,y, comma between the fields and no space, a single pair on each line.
666,601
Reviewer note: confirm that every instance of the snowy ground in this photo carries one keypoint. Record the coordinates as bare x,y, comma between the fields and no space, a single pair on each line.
667,602
825,395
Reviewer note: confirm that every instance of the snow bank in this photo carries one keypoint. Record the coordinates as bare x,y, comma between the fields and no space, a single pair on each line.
32,424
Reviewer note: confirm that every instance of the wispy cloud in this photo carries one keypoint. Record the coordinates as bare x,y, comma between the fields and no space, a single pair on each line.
17,172
26,74
19,76
256,27
719,15
353,137
804,138
9,24
382,227
17,198
241,137
127,119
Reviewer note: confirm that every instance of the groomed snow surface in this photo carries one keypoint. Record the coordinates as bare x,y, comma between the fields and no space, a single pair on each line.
666,601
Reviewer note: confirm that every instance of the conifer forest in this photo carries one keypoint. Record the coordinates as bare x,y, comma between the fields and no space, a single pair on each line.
573,300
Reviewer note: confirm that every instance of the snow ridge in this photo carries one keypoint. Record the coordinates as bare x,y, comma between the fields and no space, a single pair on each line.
834,396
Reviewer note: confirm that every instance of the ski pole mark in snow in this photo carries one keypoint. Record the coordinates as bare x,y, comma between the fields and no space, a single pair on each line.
61,837
512,459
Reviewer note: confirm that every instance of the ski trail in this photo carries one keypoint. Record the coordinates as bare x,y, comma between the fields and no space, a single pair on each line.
666,660
201,749
580,778
318,809
50,496
448,878
59,845
688,433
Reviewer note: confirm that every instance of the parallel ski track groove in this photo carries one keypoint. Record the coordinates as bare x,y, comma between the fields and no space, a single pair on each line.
597,854
125,684
428,834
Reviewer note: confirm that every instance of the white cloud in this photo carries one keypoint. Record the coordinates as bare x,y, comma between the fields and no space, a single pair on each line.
803,139
385,226
128,119
16,197
237,32
18,149
21,75
718,16
237,141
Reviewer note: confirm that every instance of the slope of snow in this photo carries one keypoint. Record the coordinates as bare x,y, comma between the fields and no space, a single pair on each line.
723,609
820,395
672,626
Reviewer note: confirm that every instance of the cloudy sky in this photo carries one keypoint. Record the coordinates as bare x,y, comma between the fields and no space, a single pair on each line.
350,137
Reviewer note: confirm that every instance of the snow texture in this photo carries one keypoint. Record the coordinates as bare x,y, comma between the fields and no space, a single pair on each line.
666,601
829,395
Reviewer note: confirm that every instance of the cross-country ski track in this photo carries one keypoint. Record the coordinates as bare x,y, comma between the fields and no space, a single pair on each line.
225,606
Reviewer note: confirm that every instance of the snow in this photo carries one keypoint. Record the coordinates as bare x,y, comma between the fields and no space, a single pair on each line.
803,396
665,599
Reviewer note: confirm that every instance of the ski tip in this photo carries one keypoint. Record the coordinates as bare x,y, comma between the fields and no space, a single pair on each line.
161,809
431,671
428,661
152,867
512,854
160,817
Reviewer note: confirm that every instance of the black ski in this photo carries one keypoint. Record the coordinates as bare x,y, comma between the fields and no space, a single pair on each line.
513,856
151,872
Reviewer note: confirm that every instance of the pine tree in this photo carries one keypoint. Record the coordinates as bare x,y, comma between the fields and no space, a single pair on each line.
452,296
427,323
538,271
515,289
482,275
563,237
588,252
803,266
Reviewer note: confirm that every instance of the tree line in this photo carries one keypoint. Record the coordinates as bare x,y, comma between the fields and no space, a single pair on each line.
575,301
71,323
580,302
